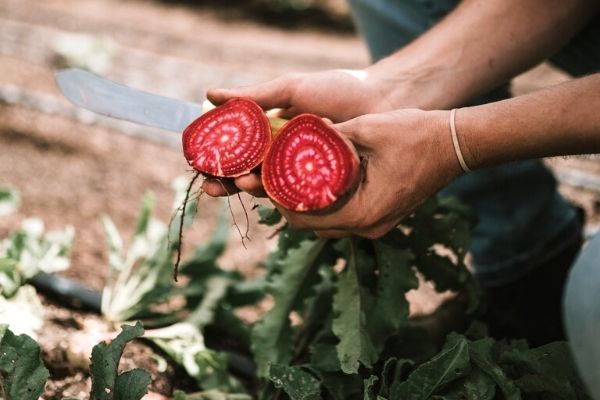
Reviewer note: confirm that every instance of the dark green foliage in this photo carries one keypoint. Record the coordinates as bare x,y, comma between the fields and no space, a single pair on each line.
298,384
354,340
107,383
338,328
22,373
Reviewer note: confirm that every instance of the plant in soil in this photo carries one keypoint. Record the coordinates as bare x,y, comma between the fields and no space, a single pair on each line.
338,328
23,374
25,253
352,336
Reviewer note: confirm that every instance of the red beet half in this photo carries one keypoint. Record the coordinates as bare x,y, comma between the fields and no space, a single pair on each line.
310,167
229,140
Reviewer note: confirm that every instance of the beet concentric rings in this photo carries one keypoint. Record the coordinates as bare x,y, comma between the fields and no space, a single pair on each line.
228,141
309,167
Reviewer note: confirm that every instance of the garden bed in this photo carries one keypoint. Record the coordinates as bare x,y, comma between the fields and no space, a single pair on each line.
71,170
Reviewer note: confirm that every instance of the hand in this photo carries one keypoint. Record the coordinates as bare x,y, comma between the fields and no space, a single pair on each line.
338,95
409,157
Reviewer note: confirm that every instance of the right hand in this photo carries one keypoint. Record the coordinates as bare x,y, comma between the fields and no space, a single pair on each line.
408,156
338,95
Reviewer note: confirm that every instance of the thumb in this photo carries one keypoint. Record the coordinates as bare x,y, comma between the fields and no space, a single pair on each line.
272,94
353,130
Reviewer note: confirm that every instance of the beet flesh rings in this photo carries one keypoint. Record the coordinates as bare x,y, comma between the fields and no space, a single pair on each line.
229,140
310,167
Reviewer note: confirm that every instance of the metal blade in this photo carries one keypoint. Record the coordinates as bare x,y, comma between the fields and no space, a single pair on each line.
112,99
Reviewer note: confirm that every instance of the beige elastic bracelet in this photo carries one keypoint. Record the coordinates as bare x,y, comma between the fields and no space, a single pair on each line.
459,155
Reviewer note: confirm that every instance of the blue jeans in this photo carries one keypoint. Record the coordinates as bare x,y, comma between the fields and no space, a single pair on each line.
523,221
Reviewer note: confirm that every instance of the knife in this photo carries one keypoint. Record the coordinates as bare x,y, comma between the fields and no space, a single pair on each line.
103,96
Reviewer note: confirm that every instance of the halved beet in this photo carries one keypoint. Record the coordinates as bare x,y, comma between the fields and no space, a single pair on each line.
229,140
310,167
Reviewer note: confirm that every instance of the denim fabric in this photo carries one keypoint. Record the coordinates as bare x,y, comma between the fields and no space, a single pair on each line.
523,221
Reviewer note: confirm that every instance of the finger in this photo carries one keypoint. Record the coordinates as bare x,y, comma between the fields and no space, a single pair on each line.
271,94
252,184
354,130
288,113
344,219
219,187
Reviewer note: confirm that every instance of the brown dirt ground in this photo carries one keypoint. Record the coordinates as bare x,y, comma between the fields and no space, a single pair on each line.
71,173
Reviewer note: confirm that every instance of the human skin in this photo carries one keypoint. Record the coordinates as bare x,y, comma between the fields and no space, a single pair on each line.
410,155
477,47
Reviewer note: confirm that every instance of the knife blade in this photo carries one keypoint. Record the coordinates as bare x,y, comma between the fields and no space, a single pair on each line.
103,96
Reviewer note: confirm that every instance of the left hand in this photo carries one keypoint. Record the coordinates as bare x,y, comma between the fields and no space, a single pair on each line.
409,157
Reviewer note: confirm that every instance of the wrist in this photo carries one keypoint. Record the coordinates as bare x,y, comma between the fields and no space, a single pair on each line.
437,124
415,82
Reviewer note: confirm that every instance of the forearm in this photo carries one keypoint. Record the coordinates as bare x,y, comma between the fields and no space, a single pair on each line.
479,46
561,120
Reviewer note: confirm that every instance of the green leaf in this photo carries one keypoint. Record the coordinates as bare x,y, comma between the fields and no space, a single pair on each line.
210,395
351,305
396,277
324,357
143,221
432,376
298,384
10,278
184,341
247,292
22,373
479,386
203,261
141,276
370,388
481,353
180,187
226,323
288,239
213,372
104,368
31,250
132,385
272,336
340,386
394,370
546,371
9,201
475,386
440,236
269,216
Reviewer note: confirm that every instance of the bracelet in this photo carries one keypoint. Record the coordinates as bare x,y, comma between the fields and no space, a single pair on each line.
459,155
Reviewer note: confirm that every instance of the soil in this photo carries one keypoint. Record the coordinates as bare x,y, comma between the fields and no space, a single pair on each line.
71,167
